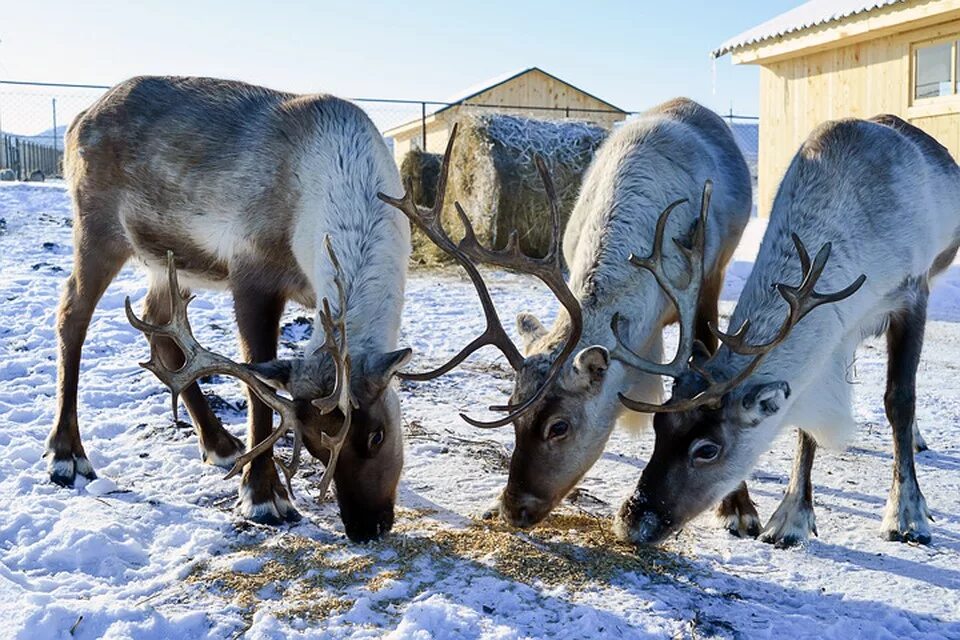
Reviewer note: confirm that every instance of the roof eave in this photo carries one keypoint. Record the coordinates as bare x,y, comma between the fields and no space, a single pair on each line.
856,27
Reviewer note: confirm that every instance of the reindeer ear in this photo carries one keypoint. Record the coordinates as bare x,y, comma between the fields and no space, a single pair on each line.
763,400
387,364
275,373
589,367
529,328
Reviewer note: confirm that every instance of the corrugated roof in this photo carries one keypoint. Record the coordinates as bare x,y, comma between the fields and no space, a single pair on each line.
809,14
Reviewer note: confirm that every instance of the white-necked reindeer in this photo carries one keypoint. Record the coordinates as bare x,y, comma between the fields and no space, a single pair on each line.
243,184
564,404
882,200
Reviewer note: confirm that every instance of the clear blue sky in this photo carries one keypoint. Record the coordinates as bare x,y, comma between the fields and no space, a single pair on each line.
632,54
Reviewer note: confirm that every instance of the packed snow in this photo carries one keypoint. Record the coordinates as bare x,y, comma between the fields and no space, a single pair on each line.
154,549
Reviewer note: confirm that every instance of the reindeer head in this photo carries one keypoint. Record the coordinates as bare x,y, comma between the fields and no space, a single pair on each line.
560,439
344,412
714,427
543,381
370,460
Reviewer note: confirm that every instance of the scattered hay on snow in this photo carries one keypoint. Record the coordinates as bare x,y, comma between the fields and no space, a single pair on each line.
297,577
493,176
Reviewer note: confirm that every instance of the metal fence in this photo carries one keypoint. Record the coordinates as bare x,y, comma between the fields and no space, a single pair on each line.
35,115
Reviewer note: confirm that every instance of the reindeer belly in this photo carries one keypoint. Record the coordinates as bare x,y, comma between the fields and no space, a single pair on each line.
211,253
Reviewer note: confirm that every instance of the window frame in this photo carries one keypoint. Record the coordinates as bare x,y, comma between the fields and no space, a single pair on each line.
935,104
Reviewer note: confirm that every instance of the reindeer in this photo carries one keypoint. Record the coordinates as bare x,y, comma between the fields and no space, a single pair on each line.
564,404
880,197
243,184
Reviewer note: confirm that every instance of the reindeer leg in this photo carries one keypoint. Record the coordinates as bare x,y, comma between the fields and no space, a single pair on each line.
217,445
906,514
794,520
736,512
95,267
263,497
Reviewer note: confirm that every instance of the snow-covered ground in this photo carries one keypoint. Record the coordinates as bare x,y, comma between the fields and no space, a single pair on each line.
153,548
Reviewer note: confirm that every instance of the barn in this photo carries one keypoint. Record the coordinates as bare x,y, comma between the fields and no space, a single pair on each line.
830,59
530,92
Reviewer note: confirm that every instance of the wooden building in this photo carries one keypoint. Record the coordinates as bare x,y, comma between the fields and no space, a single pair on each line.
831,59
530,92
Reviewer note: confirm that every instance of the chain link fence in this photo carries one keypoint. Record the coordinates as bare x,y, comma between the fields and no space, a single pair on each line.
34,117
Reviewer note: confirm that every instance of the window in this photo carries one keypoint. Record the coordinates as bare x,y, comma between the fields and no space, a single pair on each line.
935,70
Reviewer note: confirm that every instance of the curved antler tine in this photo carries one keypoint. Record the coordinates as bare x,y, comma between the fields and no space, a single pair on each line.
469,235
260,448
452,363
816,269
500,422
733,340
553,254
846,292
443,177
621,351
801,253
141,325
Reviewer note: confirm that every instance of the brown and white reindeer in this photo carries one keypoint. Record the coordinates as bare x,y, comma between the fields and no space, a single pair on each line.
243,184
881,199
564,404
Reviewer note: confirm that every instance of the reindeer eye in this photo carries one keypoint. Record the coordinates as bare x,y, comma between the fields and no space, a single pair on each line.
556,430
376,439
704,451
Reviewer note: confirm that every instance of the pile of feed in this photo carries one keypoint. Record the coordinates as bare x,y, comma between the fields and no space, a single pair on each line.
311,579
493,176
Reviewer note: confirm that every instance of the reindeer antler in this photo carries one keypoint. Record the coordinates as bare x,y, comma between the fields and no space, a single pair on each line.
801,299
684,297
468,253
200,362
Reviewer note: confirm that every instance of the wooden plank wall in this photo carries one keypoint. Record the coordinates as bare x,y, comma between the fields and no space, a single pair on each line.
859,80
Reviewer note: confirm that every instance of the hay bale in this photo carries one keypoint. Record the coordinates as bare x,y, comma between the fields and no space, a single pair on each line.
494,178
421,169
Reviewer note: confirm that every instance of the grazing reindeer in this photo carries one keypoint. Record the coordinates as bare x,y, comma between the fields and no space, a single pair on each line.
243,184
564,405
883,199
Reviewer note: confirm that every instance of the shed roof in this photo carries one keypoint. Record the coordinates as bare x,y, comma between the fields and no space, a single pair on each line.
476,89
809,14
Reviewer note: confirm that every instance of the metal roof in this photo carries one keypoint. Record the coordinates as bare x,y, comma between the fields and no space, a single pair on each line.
809,14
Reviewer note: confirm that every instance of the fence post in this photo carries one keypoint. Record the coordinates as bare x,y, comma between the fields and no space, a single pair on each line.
423,125
54,124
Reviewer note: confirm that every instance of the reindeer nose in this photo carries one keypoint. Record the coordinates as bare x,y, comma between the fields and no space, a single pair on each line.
523,510
638,524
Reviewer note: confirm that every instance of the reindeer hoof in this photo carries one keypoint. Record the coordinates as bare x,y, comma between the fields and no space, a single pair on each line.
791,524
741,525
916,537
905,519
265,501
224,453
64,471
739,517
